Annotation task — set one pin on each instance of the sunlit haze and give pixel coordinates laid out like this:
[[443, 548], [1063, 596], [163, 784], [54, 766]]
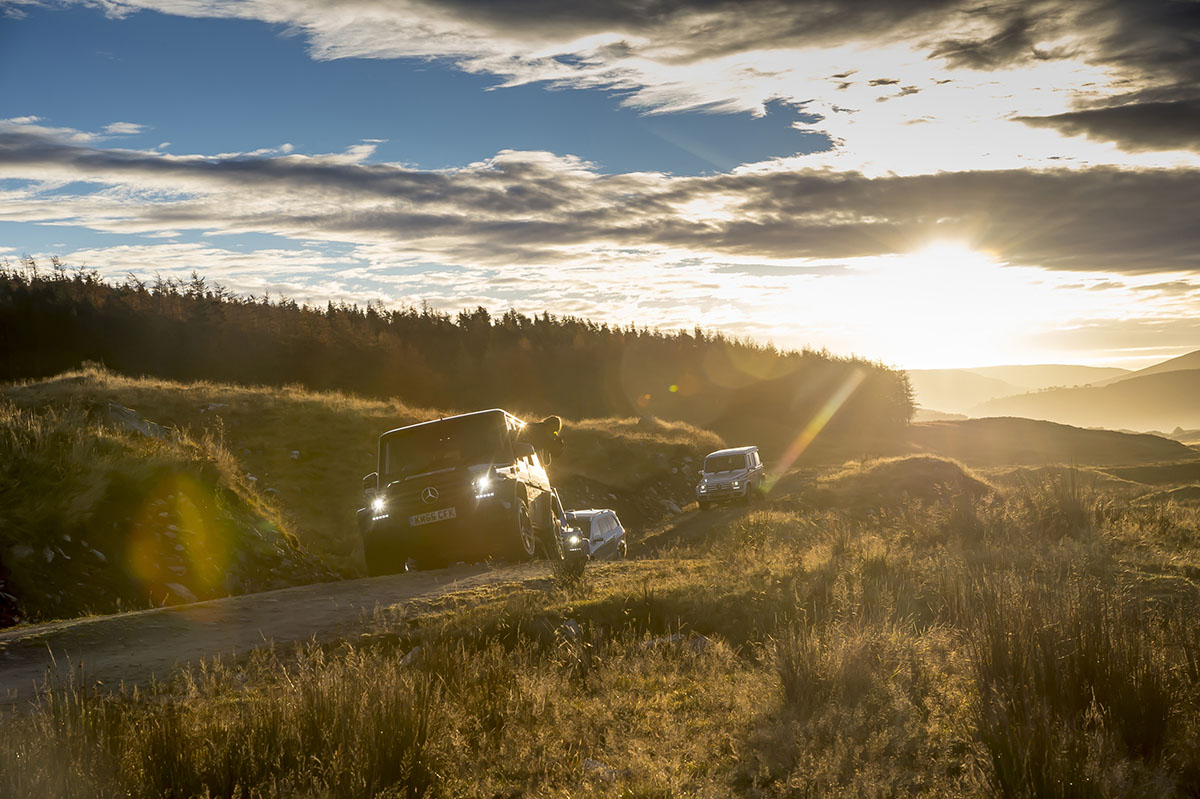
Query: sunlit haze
[[932, 185]]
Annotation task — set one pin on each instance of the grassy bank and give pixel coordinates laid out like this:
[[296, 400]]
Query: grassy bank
[[98, 457], [1040, 640]]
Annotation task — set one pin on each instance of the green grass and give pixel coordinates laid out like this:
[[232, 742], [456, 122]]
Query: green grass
[[308, 451], [1036, 641], [95, 518]]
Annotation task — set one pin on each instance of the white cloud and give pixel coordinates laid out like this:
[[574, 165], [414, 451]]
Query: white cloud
[[123, 129]]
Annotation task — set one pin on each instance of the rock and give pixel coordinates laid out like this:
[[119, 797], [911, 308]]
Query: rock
[[48, 553], [182, 592], [662, 640], [252, 478], [273, 492], [600, 769], [99, 555], [179, 547], [179, 570], [410, 656], [130, 420], [163, 515], [295, 455], [20, 551], [671, 507], [700, 643], [570, 628], [66, 537]]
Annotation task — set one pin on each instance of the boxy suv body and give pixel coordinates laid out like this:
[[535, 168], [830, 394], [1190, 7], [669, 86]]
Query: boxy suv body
[[730, 475], [460, 488]]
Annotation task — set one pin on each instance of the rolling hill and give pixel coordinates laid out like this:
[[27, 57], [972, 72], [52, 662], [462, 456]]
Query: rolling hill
[[1014, 441], [1180, 364], [956, 390], [960, 390], [1155, 401]]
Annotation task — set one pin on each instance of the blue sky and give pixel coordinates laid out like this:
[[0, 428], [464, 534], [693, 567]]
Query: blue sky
[[860, 177], [215, 85]]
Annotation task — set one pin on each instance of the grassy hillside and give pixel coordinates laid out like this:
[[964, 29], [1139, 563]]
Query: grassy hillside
[[300, 455], [1015, 441], [97, 517], [1039, 640], [1160, 401]]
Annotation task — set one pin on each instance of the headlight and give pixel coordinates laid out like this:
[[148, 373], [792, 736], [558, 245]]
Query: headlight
[[703, 488], [377, 505], [574, 540], [736, 484], [483, 487]]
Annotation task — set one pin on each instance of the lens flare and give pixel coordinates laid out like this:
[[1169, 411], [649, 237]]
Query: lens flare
[[179, 539], [817, 424]]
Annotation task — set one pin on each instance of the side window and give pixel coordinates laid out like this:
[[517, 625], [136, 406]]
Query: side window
[[756, 459], [616, 522]]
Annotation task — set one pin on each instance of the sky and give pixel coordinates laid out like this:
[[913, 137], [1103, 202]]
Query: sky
[[926, 183]]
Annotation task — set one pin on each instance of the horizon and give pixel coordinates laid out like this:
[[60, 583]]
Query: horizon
[[927, 188]]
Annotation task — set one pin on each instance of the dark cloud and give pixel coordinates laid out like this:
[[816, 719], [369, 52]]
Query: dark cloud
[[1013, 42], [1161, 125], [532, 207]]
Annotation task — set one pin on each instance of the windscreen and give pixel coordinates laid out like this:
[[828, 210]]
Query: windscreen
[[725, 463], [583, 524], [460, 441]]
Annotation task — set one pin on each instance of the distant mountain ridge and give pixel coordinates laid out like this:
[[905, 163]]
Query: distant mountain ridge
[[960, 390], [1180, 364], [1154, 401]]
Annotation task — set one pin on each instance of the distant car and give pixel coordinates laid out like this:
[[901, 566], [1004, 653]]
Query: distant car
[[601, 532], [573, 544], [730, 475]]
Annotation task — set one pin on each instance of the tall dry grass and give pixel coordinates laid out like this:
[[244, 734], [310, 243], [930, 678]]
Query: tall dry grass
[[962, 646]]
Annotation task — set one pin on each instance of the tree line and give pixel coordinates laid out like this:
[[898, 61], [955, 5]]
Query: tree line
[[53, 319]]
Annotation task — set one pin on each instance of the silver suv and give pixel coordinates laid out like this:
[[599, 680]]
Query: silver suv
[[735, 474]]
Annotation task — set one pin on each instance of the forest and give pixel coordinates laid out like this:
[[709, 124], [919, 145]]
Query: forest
[[54, 318]]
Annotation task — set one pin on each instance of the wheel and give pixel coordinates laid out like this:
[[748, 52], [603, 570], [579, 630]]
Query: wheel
[[705, 505], [522, 540], [623, 550]]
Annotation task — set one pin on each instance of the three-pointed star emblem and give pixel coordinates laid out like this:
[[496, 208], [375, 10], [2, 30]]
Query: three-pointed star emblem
[[429, 494]]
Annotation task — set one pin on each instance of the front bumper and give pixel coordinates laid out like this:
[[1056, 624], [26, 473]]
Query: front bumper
[[475, 531], [722, 492]]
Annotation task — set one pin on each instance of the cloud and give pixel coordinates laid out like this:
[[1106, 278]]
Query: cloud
[[539, 208], [123, 129], [1139, 126], [738, 55]]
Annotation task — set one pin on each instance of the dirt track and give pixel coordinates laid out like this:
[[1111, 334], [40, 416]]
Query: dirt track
[[134, 647], [137, 646]]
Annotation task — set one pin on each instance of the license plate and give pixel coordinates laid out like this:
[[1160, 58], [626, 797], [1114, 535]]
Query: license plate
[[432, 516]]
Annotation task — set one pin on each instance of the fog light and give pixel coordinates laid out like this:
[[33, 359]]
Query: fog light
[[574, 540], [377, 505]]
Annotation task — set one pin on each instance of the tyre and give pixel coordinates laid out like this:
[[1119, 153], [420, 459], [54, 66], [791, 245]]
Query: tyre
[[705, 505], [522, 542], [623, 550], [552, 544]]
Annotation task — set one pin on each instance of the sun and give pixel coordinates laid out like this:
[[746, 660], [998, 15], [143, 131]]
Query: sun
[[948, 304]]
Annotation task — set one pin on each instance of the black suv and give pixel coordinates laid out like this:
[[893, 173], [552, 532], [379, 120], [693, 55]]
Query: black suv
[[460, 488]]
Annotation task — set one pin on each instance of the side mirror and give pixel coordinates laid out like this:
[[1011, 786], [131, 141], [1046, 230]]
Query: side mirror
[[370, 482], [700, 472], [522, 450]]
